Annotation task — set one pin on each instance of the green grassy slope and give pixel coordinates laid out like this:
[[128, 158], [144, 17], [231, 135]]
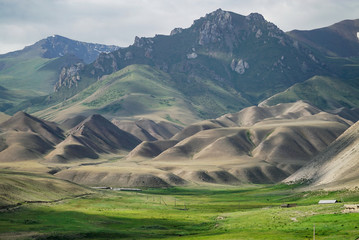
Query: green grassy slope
[[26, 74], [188, 213], [327, 93], [19, 187], [9, 98], [137, 90], [36, 74]]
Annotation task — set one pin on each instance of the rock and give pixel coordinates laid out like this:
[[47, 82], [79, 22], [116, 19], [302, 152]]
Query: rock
[[192, 55], [176, 31], [128, 55], [259, 33], [215, 24], [239, 65], [69, 76]]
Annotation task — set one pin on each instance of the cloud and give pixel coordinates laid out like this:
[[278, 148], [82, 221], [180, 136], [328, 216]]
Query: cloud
[[23, 22]]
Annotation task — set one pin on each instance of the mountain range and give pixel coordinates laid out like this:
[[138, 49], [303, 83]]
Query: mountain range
[[232, 99]]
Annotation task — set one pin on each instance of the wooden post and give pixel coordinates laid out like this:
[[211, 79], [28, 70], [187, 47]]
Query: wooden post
[[313, 231]]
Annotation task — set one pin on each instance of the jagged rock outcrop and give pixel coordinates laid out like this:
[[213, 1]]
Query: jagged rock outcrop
[[213, 28], [69, 76], [239, 65]]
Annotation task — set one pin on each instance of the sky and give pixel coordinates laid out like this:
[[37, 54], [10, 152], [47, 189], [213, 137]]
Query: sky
[[117, 22]]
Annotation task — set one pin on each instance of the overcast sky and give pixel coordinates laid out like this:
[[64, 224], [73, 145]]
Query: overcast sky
[[117, 22]]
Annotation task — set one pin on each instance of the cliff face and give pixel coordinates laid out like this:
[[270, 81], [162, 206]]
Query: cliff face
[[69, 76]]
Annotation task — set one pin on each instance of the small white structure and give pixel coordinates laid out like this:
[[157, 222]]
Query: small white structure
[[327, 201]]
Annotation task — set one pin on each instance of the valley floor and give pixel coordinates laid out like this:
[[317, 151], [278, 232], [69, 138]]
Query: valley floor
[[210, 212]]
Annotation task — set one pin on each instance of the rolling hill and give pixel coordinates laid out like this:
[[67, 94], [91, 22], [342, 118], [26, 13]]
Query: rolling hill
[[3, 117], [271, 144], [24, 137], [95, 135], [137, 91], [336, 166], [148, 130], [21, 187], [9, 98], [326, 93], [256, 145]]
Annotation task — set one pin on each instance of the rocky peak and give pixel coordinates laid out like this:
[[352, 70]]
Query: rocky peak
[[255, 17], [222, 18], [213, 26], [58, 46]]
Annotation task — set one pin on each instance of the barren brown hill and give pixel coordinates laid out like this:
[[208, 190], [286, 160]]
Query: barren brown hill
[[151, 149], [3, 117], [72, 148], [350, 114], [264, 153], [148, 130], [124, 176], [252, 115], [258, 145], [23, 122], [20, 146], [103, 136], [95, 135], [72, 122], [25, 137], [336, 166], [195, 128]]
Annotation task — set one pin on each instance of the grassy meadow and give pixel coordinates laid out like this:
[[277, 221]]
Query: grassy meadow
[[247, 212]]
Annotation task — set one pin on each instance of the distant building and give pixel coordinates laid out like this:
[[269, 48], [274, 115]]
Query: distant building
[[127, 189], [328, 201]]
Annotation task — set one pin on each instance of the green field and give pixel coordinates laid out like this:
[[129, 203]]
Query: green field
[[251, 212]]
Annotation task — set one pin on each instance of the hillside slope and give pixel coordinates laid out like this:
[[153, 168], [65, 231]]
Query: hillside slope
[[339, 39], [256, 145], [95, 135], [24, 137], [20, 187], [324, 92], [137, 91], [336, 167], [9, 98], [148, 130]]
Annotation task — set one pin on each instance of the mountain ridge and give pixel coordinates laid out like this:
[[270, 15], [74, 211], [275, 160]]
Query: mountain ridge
[[339, 39], [214, 57], [58, 46]]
